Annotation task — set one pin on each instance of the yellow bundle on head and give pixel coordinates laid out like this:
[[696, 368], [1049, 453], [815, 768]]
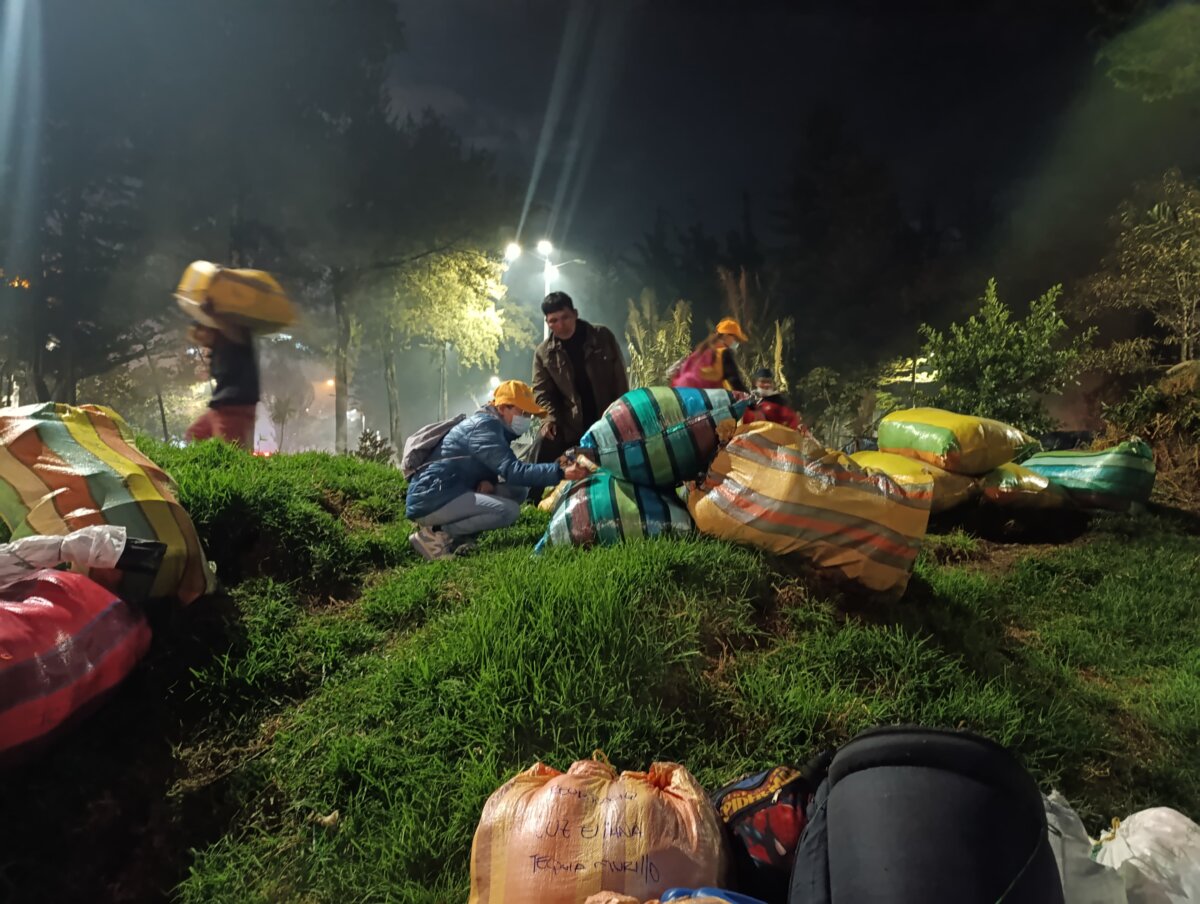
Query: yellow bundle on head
[[248, 299]]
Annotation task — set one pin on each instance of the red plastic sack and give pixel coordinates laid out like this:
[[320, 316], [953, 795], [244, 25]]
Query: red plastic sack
[[64, 641]]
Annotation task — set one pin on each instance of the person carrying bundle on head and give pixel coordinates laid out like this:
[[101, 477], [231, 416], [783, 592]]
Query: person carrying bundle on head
[[228, 308], [233, 368]]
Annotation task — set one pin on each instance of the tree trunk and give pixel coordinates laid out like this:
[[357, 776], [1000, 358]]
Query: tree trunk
[[341, 367], [41, 389], [65, 386], [162, 409], [912, 390], [445, 407], [68, 386], [393, 388]]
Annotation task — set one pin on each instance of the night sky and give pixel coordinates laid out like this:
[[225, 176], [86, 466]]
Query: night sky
[[683, 105]]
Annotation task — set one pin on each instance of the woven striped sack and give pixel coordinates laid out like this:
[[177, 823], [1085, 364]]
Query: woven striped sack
[[601, 510], [1109, 479], [63, 468], [661, 437], [960, 443], [781, 491]]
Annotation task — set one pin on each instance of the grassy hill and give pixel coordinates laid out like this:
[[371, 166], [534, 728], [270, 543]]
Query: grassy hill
[[330, 729]]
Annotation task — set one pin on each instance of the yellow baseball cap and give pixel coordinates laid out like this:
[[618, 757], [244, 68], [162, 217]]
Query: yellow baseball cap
[[514, 392], [731, 327]]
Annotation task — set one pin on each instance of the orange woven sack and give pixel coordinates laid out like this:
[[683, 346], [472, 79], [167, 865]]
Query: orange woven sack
[[557, 838]]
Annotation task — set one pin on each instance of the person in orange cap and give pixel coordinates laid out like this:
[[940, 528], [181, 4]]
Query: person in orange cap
[[472, 482], [711, 364]]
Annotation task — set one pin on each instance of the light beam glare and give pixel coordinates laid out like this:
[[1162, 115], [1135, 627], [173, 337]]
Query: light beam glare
[[597, 92], [564, 69], [20, 33]]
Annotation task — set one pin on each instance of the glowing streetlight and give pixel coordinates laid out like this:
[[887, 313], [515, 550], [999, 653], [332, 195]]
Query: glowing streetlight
[[545, 249], [329, 382], [512, 252], [494, 382]]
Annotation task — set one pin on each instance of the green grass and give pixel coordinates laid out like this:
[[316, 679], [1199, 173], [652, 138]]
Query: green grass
[[293, 517], [345, 675]]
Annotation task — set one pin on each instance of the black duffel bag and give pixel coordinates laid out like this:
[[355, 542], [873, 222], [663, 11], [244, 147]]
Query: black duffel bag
[[915, 816]]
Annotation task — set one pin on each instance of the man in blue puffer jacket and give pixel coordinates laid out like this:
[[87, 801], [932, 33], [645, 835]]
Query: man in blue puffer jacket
[[457, 494]]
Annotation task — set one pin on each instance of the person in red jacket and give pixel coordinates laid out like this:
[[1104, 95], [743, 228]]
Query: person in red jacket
[[774, 406]]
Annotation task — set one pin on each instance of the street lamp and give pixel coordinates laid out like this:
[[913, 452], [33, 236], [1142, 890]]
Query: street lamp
[[545, 248]]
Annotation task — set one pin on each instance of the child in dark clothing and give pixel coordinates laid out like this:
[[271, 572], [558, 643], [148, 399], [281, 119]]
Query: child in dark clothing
[[774, 405], [234, 368]]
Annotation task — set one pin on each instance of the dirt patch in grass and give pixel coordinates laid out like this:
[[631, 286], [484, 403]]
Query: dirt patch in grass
[[1020, 635]]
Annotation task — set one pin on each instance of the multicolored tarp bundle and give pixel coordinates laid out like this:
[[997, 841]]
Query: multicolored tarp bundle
[[64, 641], [661, 437], [1108, 479], [776, 489], [602, 510], [960, 443], [63, 468], [1012, 486], [949, 490]]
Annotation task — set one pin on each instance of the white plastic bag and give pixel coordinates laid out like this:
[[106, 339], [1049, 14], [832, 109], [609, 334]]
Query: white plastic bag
[[1157, 853], [99, 546], [1084, 881]]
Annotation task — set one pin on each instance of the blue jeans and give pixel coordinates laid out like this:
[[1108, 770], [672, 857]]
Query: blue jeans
[[470, 514]]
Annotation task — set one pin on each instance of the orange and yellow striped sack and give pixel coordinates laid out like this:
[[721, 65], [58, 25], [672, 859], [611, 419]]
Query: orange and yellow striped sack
[[559, 837], [64, 467], [782, 491]]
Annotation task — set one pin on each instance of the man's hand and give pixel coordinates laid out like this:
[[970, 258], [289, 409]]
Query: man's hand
[[485, 488], [575, 472], [549, 430]]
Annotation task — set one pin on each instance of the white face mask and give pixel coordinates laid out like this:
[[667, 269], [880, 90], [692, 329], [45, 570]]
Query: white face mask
[[733, 346], [520, 423]]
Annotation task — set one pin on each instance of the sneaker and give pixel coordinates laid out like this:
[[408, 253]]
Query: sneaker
[[430, 544]]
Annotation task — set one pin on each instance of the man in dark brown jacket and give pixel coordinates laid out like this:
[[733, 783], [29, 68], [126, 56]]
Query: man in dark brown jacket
[[577, 373]]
